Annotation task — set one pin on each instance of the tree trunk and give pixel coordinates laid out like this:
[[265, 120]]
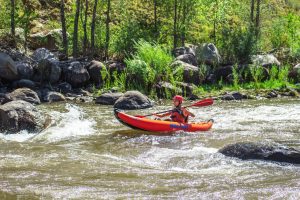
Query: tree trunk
[[93, 27], [12, 18], [75, 34], [63, 27], [257, 21], [107, 29], [175, 24], [184, 14], [84, 27], [155, 20], [252, 12]]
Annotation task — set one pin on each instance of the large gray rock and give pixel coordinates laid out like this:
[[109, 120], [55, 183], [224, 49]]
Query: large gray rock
[[49, 40], [21, 115], [184, 50], [208, 54], [4, 98], [166, 90], [54, 97], [295, 73], [258, 151], [94, 69], [48, 70], [24, 83], [190, 72], [8, 68], [42, 53], [108, 98], [25, 70], [188, 58], [265, 60], [133, 100], [76, 74], [25, 94], [234, 96]]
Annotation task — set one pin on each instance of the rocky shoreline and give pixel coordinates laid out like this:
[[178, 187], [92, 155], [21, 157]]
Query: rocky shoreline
[[43, 78]]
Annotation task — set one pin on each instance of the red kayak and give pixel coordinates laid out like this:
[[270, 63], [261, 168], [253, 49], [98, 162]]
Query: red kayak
[[159, 125]]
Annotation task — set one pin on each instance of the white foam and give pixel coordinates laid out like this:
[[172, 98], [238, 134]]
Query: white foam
[[68, 125]]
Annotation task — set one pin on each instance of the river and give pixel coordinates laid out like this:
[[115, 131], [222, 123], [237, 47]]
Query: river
[[88, 154]]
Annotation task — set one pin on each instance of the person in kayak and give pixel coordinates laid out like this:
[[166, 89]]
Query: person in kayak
[[178, 114]]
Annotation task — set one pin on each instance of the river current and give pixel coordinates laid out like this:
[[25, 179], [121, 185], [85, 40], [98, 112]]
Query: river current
[[87, 154]]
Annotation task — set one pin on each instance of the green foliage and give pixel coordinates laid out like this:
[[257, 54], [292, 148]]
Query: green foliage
[[235, 77], [257, 73], [238, 44]]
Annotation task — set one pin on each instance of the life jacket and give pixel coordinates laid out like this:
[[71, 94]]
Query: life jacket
[[177, 116]]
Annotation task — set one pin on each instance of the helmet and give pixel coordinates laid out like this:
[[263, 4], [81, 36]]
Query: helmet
[[178, 98]]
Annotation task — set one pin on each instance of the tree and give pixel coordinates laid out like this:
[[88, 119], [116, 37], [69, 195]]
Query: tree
[[257, 21], [175, 24], [63, 27], [93, 27], [85, 40], [12, 18], [107, 29], [75, 34], [155, 20]]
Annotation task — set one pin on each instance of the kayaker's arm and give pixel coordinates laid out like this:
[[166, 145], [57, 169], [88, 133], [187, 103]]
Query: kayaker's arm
[[187, 113], [163, 115]]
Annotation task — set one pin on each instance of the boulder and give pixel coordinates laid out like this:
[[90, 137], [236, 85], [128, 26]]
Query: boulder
[[190, 72], [115, 67], [64, 87], [133, 100], [259, 151], [108, 98], [184, 50], [188, 58], [49, 40], [48, 70], [21, 115], [208, 54], [4, 98], [76, 74], [8, 68], [25, 70], [234, 96], [25, 94], [166, 90], [54, 97], [267, 60], [24, 83], [222, 73], [43, 54], [295, 73], [94, 69]]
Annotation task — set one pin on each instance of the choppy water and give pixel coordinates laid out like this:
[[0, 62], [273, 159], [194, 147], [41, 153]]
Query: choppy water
[[88, 154]]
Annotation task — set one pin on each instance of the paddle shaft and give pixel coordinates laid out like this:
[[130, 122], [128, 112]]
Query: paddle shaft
[[201, 103]]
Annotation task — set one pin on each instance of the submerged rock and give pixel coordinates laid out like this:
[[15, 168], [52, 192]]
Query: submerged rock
[[21, 115], [133, 100], [259, 151]]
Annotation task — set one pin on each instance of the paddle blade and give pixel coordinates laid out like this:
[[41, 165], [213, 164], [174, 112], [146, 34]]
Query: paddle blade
[[205, 102]]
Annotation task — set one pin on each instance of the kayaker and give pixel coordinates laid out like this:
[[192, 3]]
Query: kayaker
[[178, 114]]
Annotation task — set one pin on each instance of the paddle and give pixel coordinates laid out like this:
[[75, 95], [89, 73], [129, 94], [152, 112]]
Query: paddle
[[202, 103]]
